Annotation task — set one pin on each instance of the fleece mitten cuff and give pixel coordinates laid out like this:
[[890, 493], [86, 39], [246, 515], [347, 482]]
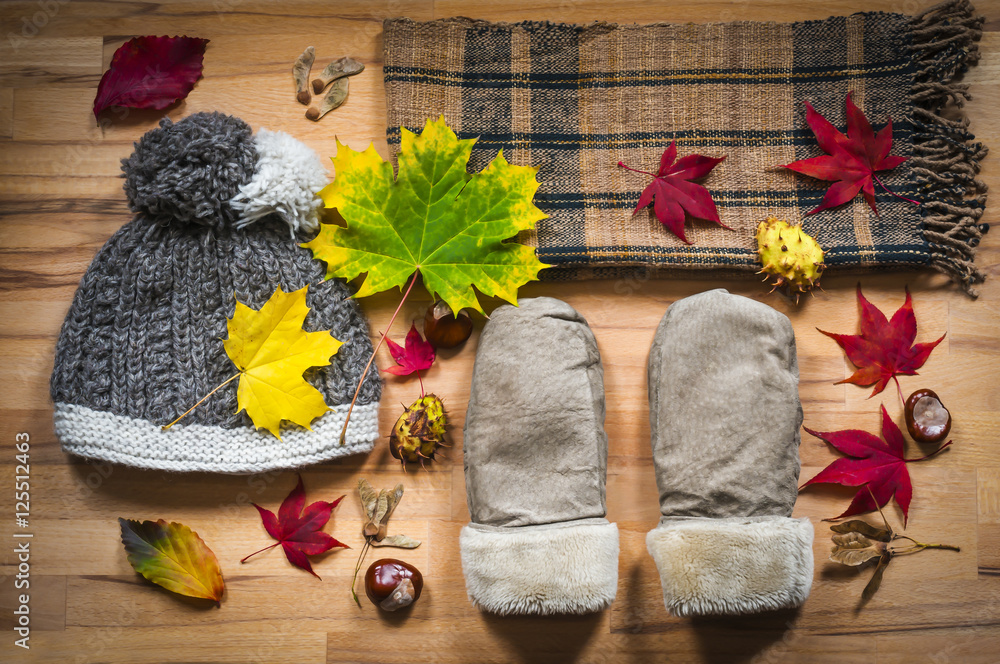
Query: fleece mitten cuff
[[725, 417], [552, 568], [732, 565], [535, 456]]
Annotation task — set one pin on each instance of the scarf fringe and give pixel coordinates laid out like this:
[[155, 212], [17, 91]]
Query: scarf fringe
[[945, 154]]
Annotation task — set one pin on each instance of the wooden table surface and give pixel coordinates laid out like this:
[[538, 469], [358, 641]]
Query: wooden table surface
[[61, 199]]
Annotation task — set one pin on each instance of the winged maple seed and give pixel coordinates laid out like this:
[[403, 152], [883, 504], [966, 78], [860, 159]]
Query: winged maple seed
[[857, 542], [885, 348], [878, 467], [850, 161], [299, 529], [378, 507], [672, 194]]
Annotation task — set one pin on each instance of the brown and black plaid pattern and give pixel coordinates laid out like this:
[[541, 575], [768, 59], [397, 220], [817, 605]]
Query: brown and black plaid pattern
[[574, 100]]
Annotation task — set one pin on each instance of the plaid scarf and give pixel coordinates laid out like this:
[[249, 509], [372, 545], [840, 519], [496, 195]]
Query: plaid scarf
[[574, 100]]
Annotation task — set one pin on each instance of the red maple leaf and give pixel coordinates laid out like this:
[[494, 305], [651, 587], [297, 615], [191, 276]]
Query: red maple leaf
[[299, 531], [869, 461], [415, 357], [850, 161], [672, 194], [151, 72], [885, 348]]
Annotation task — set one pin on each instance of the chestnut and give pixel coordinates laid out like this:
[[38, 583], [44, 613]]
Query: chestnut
[[443, 329], [392, 584], [927, 420]]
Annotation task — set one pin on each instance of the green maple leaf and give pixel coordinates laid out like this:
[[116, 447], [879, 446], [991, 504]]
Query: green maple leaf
[[434, 217]]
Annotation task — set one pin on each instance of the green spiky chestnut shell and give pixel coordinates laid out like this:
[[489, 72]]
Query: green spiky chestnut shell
[[419, 431], [790, 255]]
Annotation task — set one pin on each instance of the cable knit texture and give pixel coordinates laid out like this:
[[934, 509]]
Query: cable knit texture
[[143, 337]]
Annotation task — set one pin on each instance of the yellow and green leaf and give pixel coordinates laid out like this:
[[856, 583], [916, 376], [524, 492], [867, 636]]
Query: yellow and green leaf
[[434, 217], [173, 556]]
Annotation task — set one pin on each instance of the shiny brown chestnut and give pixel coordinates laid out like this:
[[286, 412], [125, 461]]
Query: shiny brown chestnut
[[927, 420], [392, 584], [443, 329]]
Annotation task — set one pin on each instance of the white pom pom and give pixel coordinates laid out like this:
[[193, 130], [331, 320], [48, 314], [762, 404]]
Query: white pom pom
[[286, 180]]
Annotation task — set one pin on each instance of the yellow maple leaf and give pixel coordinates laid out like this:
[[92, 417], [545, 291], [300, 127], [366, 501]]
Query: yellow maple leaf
[[271, 351]]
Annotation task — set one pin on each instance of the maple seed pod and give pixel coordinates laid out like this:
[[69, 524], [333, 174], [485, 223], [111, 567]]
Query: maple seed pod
[[300, 73], [443, 329], [392, 584], [927, 420], [790, 255], [419, 431]]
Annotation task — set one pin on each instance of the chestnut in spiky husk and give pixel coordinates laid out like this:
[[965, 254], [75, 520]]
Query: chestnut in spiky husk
[[419, 431], [789, 254], [443, 329], [393, 584]]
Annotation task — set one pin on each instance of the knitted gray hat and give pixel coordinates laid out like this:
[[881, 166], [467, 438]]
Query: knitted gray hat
[[142, 341]]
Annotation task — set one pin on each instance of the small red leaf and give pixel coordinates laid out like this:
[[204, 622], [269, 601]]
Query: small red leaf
[[885, 348], [851, 161], [672, 194], [870, 461], [417, 355], [298, 528], [151, 72]]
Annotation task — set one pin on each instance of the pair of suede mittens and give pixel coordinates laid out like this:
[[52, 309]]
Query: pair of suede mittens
[[724, 414]]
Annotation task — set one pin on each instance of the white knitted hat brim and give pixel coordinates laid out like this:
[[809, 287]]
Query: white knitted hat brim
[[198, 447]]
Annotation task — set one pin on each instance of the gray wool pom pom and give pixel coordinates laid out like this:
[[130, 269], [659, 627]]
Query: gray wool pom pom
[[185, 173]]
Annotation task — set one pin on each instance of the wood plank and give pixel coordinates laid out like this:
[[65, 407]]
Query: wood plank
[[6, 112], [61, 199], [86, 18], [128, 641], [955, 645], [988, 501], [43, 61]]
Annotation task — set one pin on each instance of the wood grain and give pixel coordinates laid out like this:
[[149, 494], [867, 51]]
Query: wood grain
[[60, 200]]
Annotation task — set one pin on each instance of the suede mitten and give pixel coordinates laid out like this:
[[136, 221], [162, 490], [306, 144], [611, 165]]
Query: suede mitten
[[724, 412], [535, 466]]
